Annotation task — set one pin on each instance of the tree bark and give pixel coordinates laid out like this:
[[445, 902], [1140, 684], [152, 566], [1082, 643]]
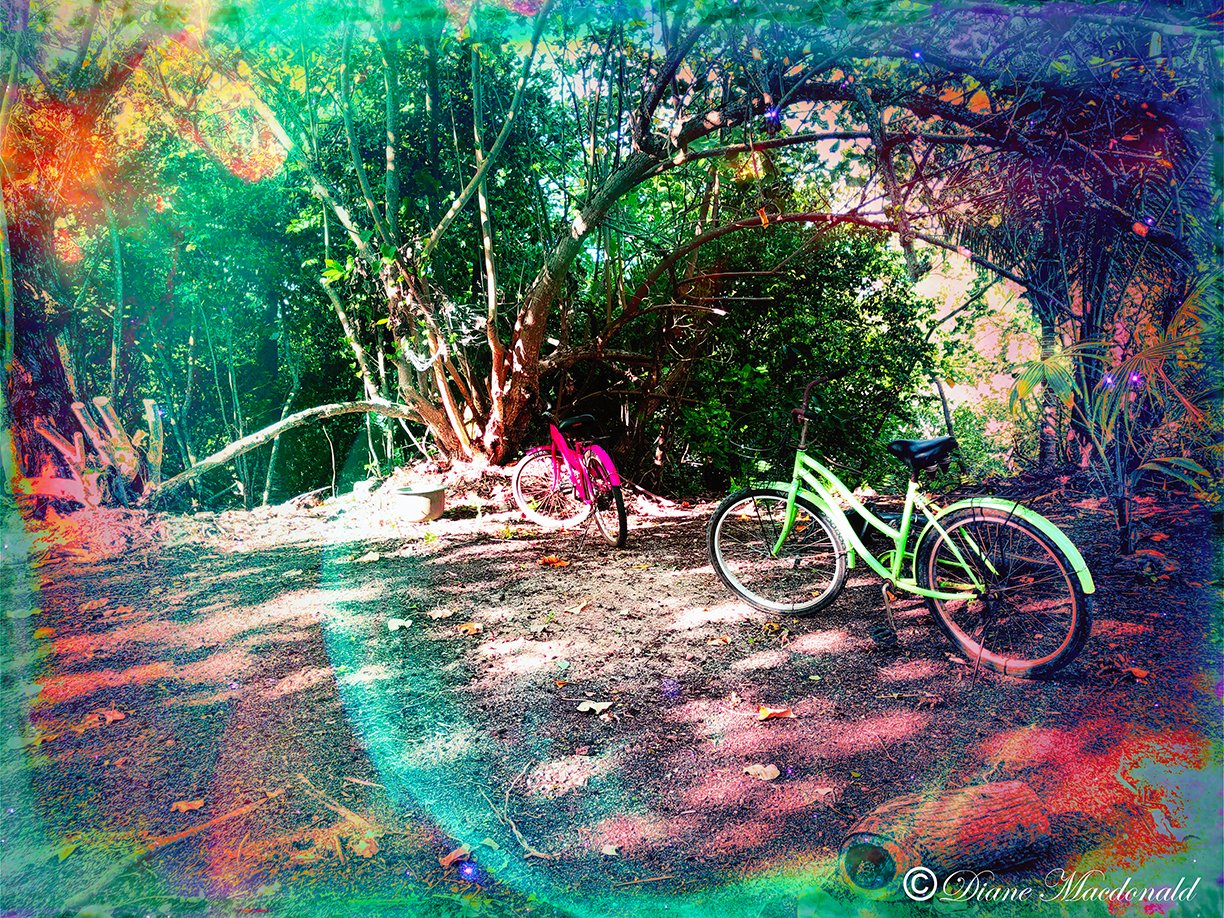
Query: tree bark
[[974, 828], [260, 437]]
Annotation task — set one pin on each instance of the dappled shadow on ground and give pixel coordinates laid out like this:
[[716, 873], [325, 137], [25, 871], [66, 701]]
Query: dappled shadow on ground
[[338, 717]]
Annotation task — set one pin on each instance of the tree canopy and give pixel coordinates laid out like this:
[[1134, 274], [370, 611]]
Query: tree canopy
[[258, 207]]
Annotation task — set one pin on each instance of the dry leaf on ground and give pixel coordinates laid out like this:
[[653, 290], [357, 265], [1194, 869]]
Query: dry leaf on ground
[[552, 561], [369, 556], [470, 628], [186, 806], [578, 608], [457, 855], [765, 713], [395, 624], [721, 639], [365, 845], [94, 604], [764, 772], [439, 614], [594, 707], [610, 850]]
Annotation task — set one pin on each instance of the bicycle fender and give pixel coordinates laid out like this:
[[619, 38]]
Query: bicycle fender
[[1035, 519], [605, 460]]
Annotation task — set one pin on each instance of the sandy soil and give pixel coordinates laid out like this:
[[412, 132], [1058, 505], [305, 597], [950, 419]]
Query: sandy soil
[[304, 710]]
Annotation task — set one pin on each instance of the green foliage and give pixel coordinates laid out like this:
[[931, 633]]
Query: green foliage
[[841, 308], [1144, 411]]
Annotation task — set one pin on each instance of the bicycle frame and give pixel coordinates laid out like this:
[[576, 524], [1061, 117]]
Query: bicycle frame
[[571, 455], [818, 484]]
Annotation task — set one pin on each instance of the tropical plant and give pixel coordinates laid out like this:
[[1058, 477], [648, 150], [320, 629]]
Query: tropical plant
[[1145, 408]]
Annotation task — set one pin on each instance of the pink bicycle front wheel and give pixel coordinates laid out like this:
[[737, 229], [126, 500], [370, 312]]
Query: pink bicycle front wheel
[[544, 490]]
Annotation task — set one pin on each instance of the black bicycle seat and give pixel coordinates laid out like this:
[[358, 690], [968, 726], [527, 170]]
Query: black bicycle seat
[[923, 454], [578, 420]]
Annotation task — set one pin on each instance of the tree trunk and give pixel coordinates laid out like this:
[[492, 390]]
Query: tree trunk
[[260, 437], [971, 829], [507, 420]]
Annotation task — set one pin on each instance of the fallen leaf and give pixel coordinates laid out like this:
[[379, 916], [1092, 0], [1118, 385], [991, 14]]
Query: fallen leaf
[[439, 614], [735, 698], [1159, 536], [395, 624], [1138, 673], [110, 715], [489, 843], [186, 806], [95, 604], [470, 628], [855, 774], [64, 850], [578, 608], [369, 556], [595, 707], [552, 561], [764, 772], [366, 845], [43, 633], [560, 683], [764, 713], [610, 850], [123, 610], [721, 639], [457, 855]]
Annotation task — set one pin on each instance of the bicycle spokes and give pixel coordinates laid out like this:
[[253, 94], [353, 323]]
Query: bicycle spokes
[[1021, 613]]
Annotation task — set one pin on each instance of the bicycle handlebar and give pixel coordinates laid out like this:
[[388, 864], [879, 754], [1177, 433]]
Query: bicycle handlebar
[[805, 413]]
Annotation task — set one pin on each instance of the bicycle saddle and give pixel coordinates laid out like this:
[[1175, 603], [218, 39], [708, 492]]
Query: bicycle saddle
[[578, 420], [923, 454]]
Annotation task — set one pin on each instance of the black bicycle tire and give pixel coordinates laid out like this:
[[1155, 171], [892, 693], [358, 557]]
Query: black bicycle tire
[[621, 536], [1081, 625], [524, 505], [841, 568]]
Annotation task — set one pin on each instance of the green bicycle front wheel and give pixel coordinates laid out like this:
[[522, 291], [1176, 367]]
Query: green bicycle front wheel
[[807, 573], [1030, 619]]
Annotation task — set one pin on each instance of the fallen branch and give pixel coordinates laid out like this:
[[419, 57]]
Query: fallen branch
[[647, 880], [260, 437], [87, 895], [505, 819], [339, 809]]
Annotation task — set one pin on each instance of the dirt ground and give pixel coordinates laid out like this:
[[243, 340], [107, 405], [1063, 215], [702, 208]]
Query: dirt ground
[[314, 710]]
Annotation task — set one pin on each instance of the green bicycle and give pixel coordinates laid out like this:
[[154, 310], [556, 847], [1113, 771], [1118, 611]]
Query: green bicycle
[[1006, 585]]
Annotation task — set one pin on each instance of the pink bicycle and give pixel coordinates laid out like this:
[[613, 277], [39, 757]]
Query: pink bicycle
[[565, 483]]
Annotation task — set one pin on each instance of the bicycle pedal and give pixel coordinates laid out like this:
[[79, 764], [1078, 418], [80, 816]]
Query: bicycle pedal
[[884, 636]]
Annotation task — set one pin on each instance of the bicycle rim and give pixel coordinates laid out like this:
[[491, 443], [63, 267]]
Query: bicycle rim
[[804, 576], [545, 497], [609, 504], [1029, 618]]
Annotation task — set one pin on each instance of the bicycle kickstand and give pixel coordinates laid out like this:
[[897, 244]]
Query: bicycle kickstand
[[885, 635], [889, 598]]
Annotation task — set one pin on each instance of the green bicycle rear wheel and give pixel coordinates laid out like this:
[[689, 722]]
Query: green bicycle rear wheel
[[1031, 619]]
